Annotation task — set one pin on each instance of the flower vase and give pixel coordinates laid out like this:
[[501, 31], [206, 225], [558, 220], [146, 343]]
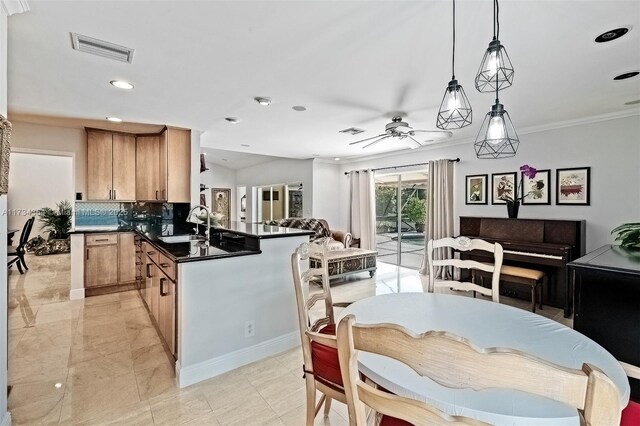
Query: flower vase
[[512, 209]]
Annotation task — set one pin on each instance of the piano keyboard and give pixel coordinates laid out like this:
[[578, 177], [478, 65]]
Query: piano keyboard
[[522, 253]]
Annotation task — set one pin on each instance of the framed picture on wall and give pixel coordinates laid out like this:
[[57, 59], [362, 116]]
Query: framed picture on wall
[[573, 186], [503, 187], [476, 189], [221, 203], [538, 188]]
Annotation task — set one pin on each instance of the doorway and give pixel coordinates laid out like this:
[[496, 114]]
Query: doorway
[[401, 201]]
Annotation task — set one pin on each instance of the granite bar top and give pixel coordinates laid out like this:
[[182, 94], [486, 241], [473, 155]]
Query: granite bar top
[[190, 251], [262, 231]]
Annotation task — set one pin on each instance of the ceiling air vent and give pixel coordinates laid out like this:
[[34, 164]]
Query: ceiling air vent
[[101, 48], [352, 131]]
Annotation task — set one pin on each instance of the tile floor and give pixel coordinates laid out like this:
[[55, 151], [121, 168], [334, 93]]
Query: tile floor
[[100, 361]]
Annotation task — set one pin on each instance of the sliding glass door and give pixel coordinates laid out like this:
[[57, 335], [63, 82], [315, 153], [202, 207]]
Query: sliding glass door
[[400, 218]]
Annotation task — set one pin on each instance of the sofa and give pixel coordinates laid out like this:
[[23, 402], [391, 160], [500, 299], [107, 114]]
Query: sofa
[[320, 227]]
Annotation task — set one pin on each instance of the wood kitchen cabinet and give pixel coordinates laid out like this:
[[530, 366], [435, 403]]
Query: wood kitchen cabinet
[[175, 165], [101, 260], [111, 167], [147, 168], [167, 311], [126, 257]]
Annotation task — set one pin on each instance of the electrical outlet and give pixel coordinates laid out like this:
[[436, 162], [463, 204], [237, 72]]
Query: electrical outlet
[[250, 328]]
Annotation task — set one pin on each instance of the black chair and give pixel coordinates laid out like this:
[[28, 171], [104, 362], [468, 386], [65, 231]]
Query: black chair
[[16, 253]]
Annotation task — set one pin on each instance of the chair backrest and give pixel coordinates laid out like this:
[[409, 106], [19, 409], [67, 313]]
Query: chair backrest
[[454, 362], [302, 274], [26, 231], [465, 244]]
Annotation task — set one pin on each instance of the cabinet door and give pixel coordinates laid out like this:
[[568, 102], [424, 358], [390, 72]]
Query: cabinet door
[[179, 166], [167, 316], [162, 169], [101, 265], [124, 167], [147, 166], [99, 166], [126, 258], [148, 280], [155, 293]]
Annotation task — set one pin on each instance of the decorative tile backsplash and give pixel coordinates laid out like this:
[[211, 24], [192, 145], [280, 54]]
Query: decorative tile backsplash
[[99, 214]]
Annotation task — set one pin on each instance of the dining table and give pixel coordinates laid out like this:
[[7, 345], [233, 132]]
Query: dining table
[[486, 324]]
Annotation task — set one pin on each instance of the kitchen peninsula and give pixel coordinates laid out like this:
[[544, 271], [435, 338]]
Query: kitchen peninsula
[[230, 302]]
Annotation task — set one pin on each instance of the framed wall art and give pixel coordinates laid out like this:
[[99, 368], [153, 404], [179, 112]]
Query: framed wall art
[[573, 186], [221, 203], [538, 188], [503, 187], [476, 189]]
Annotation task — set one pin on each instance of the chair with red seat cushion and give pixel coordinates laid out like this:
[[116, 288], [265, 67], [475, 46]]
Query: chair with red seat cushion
[[631, 414], [319, 349]]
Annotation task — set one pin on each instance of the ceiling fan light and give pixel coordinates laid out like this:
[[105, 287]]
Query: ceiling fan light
[[496, 71], [497, 137], [455, 110]]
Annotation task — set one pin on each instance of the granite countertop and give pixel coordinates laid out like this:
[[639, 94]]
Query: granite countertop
[[153, 230], [261, 231]]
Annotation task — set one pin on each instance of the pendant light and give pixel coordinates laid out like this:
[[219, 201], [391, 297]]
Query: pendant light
[[497, 137], [496, 71], [455, 109]]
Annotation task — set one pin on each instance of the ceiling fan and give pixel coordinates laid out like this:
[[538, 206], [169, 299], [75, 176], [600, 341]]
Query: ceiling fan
[[401, 130]]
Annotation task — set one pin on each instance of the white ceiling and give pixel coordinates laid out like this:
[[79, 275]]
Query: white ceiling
[[351, 63], [234, 159]]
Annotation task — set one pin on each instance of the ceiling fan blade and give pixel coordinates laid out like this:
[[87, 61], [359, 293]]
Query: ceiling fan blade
[[368, 139], [413, 144], [432, 131], [376, 141]]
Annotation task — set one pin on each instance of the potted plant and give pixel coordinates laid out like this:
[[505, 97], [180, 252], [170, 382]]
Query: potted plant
[[56, 221], [513, 202], [628, 235], [416, 210]]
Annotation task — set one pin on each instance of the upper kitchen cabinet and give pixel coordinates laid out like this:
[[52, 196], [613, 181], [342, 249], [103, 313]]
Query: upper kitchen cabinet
[[111, 167], [175, 165], [147, 178]]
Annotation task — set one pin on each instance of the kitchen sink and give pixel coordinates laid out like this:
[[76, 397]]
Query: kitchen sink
[[181, 238]]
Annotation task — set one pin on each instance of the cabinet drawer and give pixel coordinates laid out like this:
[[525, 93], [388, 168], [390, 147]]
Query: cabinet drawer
[[151, 252], [167, 266], [101, 239]]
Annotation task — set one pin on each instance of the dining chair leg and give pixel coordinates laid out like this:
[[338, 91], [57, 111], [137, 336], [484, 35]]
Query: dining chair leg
[[24, 264], [19, 267], [327, 406], [311, 399]]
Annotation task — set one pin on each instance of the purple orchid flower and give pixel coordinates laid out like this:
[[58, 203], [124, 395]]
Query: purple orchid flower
[[528, 171]]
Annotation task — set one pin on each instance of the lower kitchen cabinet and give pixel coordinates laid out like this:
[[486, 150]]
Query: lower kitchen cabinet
[[110, 263], [167, 312], [100, 265], [126, 257]]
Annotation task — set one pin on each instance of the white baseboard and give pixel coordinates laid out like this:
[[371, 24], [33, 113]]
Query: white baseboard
[[6, 420], [76, 293], [227, 362]]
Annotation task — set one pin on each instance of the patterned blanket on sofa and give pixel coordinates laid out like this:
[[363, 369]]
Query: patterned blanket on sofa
[[311, 224]]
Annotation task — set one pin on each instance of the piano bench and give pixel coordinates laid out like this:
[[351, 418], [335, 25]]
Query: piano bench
[[517, 275]]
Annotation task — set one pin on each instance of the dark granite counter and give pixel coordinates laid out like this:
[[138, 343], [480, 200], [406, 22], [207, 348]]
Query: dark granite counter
[[261, 231]]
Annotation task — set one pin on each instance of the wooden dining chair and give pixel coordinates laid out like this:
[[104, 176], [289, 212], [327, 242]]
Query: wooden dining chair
[[464, 244], [319, 348], [15, 254], [454, 362]]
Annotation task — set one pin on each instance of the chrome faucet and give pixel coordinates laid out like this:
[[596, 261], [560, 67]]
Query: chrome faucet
[[207, 230]]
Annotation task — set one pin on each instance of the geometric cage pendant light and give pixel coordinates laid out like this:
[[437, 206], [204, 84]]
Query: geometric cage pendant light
[[496, 71], [497, 137], [455, 110]]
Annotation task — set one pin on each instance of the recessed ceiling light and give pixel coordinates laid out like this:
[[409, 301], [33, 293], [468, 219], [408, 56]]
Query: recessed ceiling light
[[299, 108], [351, 131], [626, 75], [245, 145], [636, 102], [262, 100], [114, 119], [232, 120], [337, 158], [612, 34], [121, 84]]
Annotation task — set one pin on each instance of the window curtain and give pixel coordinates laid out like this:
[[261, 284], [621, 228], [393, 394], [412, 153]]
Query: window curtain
[[439, 213], [362, 221]]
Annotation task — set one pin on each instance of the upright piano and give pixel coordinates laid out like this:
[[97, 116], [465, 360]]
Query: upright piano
[[542, 244]]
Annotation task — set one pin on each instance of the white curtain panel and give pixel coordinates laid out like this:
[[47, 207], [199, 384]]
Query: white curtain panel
[[363, 208], [439, 212]]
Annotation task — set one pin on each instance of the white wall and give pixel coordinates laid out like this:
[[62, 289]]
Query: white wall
[[53, 138], [219, 177], [195, 167], [610, 147], [37, 181], [278, 172], [5, 418], [326, 193]]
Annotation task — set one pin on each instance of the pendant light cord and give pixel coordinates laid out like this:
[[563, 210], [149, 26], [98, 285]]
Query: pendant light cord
[[453, 54], [498, 20], [496, 34]]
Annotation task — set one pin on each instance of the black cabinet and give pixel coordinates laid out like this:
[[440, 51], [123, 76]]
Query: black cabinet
[[607, 302]]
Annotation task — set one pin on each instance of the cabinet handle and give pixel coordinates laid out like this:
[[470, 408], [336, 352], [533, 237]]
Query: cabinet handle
[[149, 270], [164, 265], [151, 253], [87, 250], [114, 195], [156, 194], [164, 194], [162, 292], [102, 239], [138, 263]]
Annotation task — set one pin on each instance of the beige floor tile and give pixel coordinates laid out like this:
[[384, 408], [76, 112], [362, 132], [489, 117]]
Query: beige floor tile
[[142, 337], [100, 341], [137, 414], [206, 420], [101, 368], [35, 367], [264, 371], [283, 393], [241, 410], [148, 357], [181, 408], [297, 417], [156, 381], [13, 339], [45, 411], [29, 392], [101, 300]]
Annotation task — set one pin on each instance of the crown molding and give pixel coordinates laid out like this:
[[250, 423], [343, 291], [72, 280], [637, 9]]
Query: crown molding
[[13, 7], [524, 131]]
